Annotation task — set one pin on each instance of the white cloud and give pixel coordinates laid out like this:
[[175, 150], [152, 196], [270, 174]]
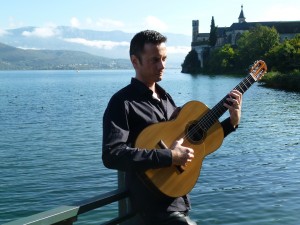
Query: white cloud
[[3, 32], [154, 23], [74, 22], [108, 24], [43, 32], [178, 49], [28, 48], [97, 43], [99, 24]]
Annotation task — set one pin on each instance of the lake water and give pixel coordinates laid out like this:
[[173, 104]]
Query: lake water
[[51, 134]]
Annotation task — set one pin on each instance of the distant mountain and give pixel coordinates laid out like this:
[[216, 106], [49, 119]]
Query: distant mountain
[[12, 58], [109, 44]]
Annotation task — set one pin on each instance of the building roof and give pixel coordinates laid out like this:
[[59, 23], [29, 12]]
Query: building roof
[[222, 30], [280, 26]]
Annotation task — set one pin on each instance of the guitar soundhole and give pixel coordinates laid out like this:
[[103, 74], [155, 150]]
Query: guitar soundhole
[[194, 133]]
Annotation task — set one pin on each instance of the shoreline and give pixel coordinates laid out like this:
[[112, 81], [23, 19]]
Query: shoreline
[[286, 82]]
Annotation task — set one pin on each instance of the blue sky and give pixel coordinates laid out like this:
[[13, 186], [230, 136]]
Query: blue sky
[[174, 16]]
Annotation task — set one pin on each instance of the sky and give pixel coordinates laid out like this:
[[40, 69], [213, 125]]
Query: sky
[[166, 16]]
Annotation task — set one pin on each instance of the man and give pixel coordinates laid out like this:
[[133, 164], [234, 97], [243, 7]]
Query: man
[[136, 106]]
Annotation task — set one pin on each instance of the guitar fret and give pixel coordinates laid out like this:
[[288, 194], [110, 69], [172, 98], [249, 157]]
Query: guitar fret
[[241, 89]]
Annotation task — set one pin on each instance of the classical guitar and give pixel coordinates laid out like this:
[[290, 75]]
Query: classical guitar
[[201, 130]]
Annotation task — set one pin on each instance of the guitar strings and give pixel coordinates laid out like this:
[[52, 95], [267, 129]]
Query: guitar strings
[[213, 115]]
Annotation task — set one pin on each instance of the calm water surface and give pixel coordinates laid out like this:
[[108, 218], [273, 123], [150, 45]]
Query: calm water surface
[[51, 134]]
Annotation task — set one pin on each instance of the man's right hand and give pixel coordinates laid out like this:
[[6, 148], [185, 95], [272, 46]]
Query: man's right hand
[[181, 155]]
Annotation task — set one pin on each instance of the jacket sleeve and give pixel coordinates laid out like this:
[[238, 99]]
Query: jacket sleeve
[[117, 153], [227, 127]]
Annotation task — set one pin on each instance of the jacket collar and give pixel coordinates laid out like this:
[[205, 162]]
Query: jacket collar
[[143, 89]]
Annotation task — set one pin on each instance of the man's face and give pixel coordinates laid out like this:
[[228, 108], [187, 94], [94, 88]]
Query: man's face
[[150, 67]]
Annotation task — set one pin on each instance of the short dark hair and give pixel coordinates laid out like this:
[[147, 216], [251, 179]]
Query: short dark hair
[[140, 39]]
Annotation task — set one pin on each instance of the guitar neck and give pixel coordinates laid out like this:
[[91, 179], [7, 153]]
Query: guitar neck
[[219, 109]]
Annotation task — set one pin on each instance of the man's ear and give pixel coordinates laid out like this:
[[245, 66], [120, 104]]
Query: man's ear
[[134, 60]]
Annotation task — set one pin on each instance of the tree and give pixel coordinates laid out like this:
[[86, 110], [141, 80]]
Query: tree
[[221, 60], [191, 63], [213, 33], [286, 56], [255, 44]]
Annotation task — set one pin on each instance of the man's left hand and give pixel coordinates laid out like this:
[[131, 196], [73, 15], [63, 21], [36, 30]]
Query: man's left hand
[[234, 107]]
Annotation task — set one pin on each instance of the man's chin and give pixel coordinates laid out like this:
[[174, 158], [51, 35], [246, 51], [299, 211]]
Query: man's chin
[[159, 79]]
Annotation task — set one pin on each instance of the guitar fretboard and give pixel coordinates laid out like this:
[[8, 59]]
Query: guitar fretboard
[[219, 109]]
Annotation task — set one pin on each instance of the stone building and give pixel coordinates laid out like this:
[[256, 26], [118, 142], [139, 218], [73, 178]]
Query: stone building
[[230, 35]]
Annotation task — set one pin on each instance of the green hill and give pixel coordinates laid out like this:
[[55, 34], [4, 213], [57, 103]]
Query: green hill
[[12, 58]]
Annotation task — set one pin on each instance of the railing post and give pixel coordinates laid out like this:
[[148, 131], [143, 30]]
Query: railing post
[[124, 204]]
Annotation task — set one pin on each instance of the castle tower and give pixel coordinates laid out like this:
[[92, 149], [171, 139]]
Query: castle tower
[[242, 18], [195, 24]]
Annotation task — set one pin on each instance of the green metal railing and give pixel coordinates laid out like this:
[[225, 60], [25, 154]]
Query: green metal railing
[[68, 214]]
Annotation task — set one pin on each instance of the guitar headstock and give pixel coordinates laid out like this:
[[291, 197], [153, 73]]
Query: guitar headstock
[[258, 69]]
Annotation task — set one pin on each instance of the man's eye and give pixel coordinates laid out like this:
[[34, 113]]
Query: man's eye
[[156, 60]]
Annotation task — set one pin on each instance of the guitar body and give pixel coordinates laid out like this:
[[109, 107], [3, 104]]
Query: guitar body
[[172, 181]]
